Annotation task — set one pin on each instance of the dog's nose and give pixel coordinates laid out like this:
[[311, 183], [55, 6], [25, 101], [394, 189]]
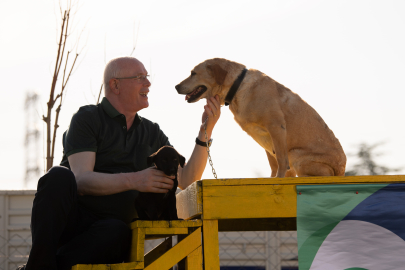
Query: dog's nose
[[177, 87]]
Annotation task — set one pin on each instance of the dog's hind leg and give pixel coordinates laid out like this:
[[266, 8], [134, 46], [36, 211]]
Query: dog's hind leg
[[273, 164], [291, 173], [311, 168]]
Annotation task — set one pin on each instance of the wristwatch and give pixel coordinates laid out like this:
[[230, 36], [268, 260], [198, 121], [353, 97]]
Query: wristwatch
[[197, 141]]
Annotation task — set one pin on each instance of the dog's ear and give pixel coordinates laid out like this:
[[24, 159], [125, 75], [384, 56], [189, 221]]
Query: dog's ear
[[150, 160], [217, 72], [182, 160]]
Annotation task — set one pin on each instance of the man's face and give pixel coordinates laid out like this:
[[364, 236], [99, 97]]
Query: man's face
[[133, 92]]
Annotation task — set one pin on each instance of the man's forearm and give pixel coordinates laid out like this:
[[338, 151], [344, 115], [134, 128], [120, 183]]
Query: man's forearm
[[195, 167], [99, 184]]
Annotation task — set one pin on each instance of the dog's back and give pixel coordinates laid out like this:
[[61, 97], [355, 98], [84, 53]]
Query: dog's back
[[308, 137]]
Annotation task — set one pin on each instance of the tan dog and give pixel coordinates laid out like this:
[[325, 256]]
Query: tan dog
[[296, 139]]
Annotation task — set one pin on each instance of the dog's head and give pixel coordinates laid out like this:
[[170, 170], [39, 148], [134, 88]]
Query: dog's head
[[167, 159], [209, 78]]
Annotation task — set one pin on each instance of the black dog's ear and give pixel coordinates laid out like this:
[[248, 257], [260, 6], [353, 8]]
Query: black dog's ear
[[150, 160], [182, 160]]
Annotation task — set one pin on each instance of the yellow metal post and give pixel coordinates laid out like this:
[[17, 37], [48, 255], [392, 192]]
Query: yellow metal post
[[210, 244], [194, 260], [138, 243]]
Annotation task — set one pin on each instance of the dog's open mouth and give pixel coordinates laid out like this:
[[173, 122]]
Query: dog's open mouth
[[196, 94]]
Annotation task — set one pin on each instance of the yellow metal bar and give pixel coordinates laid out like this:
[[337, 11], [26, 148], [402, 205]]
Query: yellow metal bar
[[249, 201], [119, 266], [165, 224], [155, 231], [127, 266], [91, 267], [178, 252], [137, 246], [320, 180], [194, 260], [210, 244]]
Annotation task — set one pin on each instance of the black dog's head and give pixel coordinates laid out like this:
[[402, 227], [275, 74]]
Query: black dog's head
[[167, 160]]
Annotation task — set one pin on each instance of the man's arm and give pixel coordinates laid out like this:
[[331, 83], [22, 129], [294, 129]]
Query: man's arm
[[94, 183], [195, 167]]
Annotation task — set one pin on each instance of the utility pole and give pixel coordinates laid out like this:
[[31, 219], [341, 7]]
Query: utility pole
[[32, 138]]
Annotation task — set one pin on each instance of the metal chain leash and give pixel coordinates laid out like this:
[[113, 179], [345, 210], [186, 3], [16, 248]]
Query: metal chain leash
[[208, 149]]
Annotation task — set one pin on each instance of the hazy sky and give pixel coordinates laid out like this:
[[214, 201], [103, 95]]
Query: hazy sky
[[345, 58]]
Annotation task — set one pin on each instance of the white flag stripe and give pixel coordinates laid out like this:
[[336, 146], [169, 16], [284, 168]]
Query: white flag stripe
[[354, 243]]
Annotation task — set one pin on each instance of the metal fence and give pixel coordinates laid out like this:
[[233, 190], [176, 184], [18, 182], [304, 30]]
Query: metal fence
[[14, 250]]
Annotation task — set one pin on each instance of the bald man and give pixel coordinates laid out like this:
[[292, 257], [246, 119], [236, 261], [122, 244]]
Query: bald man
[[82, 209]]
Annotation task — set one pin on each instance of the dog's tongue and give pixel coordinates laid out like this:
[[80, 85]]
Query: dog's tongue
[[187, 97]]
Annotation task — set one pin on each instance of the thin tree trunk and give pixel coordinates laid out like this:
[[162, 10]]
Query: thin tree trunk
[[51, 102]]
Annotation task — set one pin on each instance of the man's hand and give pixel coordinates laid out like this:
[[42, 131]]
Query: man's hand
[[213, 111], [151, 180]]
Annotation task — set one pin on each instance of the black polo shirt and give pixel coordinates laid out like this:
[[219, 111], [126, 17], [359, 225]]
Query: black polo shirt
[[103, 130]]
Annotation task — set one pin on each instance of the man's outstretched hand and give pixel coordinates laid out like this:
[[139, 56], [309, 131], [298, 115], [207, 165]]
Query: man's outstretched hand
[[213, 111], [151, 180]]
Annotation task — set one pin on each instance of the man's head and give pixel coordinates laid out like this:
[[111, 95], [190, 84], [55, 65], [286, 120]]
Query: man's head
[[125, 85]]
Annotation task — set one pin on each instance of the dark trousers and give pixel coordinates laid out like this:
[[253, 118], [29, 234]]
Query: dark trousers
[[65, 234]]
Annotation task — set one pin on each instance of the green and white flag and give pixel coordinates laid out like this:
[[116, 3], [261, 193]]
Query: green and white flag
[[351, 227]]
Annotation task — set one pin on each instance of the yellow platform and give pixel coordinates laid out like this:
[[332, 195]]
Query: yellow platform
[[265, 204], [256, 204]]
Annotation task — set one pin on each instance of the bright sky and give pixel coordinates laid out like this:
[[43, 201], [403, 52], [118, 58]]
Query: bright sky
[[345, 58]]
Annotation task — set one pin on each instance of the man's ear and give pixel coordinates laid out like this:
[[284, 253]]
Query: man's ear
[[150, 160], [113, 84], [217, 72], [182, 160]]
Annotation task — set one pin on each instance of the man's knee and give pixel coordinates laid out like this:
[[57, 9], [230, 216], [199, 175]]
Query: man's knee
[[58, 175]]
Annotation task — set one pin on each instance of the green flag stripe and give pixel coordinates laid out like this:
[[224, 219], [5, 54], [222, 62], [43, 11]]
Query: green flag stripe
[[309, 249]]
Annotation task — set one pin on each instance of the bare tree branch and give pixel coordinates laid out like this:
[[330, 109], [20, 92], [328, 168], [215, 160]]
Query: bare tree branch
[[64, 85], [64, 41], [58, 59], [105, 48], [99, 94], [47, 119], [67, 72], [135, 39], [64, 70]]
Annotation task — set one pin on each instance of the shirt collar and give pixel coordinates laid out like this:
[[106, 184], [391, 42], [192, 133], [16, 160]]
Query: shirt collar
[[112, 112], [109, 109]]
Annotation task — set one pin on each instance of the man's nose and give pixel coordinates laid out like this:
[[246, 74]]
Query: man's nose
[[147, 82]]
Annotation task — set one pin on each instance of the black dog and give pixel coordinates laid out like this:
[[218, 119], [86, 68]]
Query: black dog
[[161, 206]]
